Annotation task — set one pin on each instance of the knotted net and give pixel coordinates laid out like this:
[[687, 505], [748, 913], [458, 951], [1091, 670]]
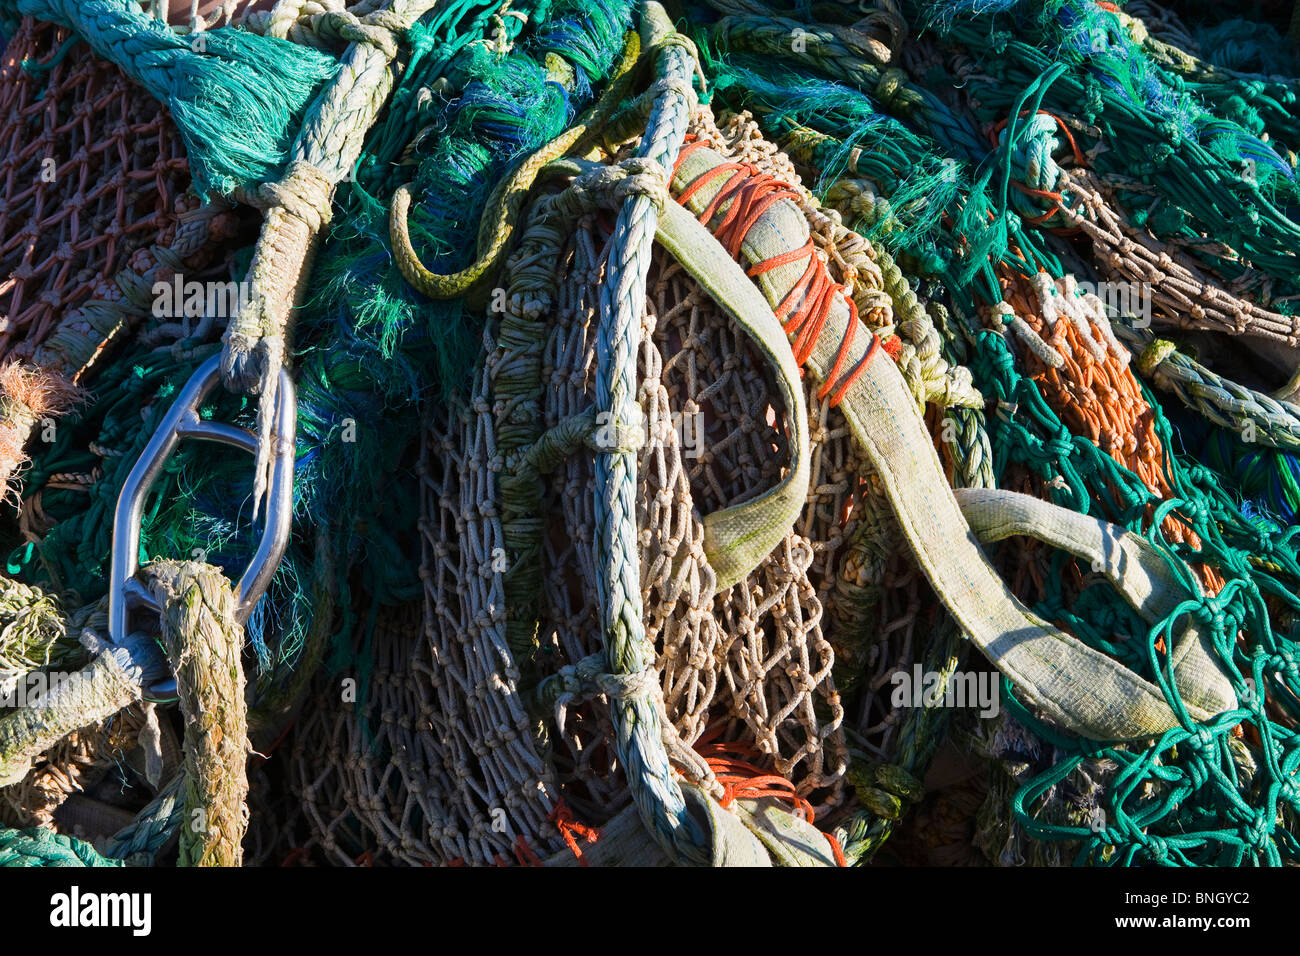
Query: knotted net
[[486, 735]]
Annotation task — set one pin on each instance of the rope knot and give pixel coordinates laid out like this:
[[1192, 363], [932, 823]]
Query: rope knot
[[1059, 446], [893, 92], [1199, 746], [380, 29], [615, 437], [1094, 102], [1172, 133], [1201, 740], [1284, 662], [304, 193], [611, 184], [643, 177], [1155, 355], [1210, 613], [570, 828], [628, 686], [1157, 849], [1160, 155], [1260, 831]]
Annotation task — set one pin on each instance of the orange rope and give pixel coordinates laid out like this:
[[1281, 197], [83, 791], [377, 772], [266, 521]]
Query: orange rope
[[747, 194], [836, 850], [569, 827], [524, 853], [993, 129], [257, 759], [294, 855], [742, 780]]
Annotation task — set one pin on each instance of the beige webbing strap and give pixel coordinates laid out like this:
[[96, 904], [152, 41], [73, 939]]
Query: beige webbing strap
[[1131, 563], [754, 833], [1081, 689], [789, 839], [738, 538]]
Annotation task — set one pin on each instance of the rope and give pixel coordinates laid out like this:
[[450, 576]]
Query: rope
[[1224, 402], [637, 735], [497, 224], [204, 644], [298, 205], [42, 847], [113, 680], [82, 334], [237, 103], [153, 827], [806, 308]]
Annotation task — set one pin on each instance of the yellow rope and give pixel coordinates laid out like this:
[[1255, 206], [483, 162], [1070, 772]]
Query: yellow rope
[[503, 206]]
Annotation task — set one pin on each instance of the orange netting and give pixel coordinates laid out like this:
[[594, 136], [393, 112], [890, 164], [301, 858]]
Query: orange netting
[[1102, 401]]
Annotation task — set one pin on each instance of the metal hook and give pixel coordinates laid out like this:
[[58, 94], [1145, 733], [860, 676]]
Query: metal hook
[[182, 421]]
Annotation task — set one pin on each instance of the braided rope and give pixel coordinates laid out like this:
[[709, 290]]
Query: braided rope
[[111, 681], [1181, 294], [637, 719], [1224, 402], [298, 206], [204, 642], [531, 295], [153, 827], [42, 847], [503, 207]]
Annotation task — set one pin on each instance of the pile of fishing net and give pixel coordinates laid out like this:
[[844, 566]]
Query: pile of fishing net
[[715, 433]]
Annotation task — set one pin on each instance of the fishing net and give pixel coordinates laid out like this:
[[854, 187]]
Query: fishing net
[[95, 210], [642, 427], [95, 175], [748, 666]]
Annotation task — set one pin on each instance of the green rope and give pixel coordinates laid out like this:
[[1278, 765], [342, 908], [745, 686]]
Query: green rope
[[237, 98], [42, 847]]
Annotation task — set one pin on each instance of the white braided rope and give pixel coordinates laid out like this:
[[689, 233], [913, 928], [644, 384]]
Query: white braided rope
[[637, 718]]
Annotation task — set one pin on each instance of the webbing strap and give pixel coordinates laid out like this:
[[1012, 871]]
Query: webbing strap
[[737, 538], [1078, 687], [1131, 563]]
